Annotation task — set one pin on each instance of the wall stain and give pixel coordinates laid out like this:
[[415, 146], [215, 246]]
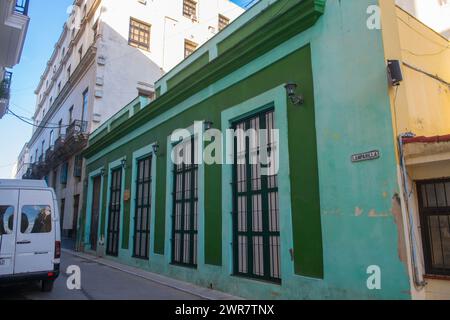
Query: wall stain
[[374, 214], [397, 213]]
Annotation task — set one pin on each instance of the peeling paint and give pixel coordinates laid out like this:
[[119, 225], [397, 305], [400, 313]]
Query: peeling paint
[[358, 212], [397, 213], [374, 214]]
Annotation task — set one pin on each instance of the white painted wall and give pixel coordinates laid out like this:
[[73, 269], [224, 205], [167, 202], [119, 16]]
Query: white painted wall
[[20, 168], [434, 13]]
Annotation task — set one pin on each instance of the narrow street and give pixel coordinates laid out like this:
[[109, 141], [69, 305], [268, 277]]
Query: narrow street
[[99, 282]]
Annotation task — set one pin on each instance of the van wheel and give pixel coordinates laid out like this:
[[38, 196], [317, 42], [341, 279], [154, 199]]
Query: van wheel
[[47, 285]]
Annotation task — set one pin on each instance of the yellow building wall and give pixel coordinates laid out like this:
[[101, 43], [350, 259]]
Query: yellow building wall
[[421, 104], [427, 111]]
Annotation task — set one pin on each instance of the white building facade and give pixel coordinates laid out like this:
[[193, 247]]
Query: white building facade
[[109, 53], [14, 23], [434, 13]]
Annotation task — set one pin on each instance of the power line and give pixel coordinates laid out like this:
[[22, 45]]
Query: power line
[[32, 124], [22, 109], [423, 35]]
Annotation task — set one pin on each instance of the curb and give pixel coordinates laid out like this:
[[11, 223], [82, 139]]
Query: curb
[[192, 289]]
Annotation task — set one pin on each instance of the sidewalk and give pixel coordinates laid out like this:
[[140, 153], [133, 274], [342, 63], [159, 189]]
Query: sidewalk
[[201, 292]]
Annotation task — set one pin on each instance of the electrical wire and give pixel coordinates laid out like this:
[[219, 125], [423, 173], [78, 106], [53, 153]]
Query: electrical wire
[[426, 54], [424, 36], [32, 124]]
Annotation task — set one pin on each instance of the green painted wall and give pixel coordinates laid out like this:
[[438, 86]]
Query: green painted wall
[[350, 226], [186, 72], [307, 206]]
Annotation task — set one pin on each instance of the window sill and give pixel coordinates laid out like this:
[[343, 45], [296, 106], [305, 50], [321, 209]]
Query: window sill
[[182, 265], [257, 279], [437, 277]]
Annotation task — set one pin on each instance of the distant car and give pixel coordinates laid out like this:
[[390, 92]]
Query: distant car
[[30, 234]]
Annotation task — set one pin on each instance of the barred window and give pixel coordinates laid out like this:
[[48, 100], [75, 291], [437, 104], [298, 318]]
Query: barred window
[[189, 48], [190, 9], [434, 201], [256, 216], [139, 36], [143, 205], [115, 201], [185, 206], [223, 22]]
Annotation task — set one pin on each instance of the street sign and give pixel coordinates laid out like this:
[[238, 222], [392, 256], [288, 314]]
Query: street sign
[[366, 156]]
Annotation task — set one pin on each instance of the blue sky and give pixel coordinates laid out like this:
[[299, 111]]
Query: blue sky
[[47, 19]]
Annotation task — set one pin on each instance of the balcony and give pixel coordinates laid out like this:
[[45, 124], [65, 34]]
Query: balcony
[[71, 143], [49, 154], [32, 172], [59, 150], [21, 7], [76, 136], [5, 87], [76, 128], [14, 23], [41, 164]]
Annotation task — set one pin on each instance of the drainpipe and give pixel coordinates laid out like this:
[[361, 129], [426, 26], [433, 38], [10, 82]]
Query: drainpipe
[[419, 282]]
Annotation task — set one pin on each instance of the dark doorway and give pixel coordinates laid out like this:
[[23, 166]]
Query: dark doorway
[[76, 207], [95, 212], [112, 245]]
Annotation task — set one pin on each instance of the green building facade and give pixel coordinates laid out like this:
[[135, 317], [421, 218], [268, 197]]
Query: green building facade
[[311, 232]]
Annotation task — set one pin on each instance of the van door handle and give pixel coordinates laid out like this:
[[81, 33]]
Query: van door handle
[[24, 242]]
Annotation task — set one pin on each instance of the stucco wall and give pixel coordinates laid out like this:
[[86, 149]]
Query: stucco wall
[[358, 219]]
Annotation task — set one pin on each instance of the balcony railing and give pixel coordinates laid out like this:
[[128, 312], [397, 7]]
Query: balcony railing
[[5, 85], [77, 127], [22, 7], [49, 153], [60, 141]]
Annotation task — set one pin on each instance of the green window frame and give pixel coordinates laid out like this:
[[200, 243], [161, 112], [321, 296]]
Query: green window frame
[[185, 207], [256, 216], [143, 207], [112, 245]]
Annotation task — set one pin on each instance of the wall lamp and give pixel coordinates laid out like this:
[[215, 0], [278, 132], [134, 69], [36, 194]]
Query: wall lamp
[[124, 163], [102, 172], [208, 125], [155, 148], [296, 99]]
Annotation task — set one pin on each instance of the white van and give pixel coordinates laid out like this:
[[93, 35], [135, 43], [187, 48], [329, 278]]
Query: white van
[[30, 234]]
